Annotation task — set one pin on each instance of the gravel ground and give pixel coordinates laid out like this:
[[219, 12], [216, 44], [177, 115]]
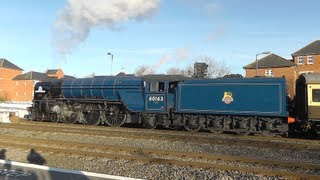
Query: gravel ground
[[129, 168], [146, 170]]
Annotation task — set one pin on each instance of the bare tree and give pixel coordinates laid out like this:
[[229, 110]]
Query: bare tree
[[175, 71], [189, 70], [92, 75], [215, 69], [144, 70]]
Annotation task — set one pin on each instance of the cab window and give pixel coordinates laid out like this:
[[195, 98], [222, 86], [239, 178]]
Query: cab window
[[156, 87], [161, 87], [316, 95], [172, 86]]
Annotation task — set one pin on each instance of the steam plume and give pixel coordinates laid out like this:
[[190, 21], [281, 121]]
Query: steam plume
[[74, 22]]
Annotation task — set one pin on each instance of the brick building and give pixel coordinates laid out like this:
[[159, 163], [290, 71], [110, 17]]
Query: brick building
[[55, 73], [18, 87], [273, 65], [9, 89], [305, 60], [26, 83]]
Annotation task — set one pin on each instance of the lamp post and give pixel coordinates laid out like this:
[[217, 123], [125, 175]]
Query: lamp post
[[111, 60], [257, 66]]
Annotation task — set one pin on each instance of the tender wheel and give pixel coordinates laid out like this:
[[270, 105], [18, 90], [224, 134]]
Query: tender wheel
[[114, 116], [215, 124], [192, 123], [267, 127], [149, 121], [242, 125]]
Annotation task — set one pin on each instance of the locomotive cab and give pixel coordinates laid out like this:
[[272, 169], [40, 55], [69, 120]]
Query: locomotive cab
[[308, 101], [159, 92]]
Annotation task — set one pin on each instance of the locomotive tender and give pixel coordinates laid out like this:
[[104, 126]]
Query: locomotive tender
[[246, 105]]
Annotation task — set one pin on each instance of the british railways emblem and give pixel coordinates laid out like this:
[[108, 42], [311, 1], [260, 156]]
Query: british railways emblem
[[227, 97]]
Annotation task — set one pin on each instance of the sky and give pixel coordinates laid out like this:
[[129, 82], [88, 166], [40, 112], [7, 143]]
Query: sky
[[77, 35]]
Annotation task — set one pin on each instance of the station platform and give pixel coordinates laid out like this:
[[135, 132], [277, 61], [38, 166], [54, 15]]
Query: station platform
[[10, 170]]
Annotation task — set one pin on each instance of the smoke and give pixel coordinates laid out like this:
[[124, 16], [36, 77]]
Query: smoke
[[165, 58], [183, 53], [176, 55], [78, 17]]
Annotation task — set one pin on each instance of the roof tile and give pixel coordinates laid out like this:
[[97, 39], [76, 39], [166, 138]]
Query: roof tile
[[270, 61], [7, 64], [310, 49]]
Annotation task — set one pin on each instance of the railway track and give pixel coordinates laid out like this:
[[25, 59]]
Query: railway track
[[40, 136], [194, 159], [206, 138]]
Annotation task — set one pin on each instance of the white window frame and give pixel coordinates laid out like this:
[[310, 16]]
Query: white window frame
[[305, 72], [310, 60], [268, 73], [300, 60]]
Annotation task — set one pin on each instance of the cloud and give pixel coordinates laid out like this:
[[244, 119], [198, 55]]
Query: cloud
[[75, 21], [212, 7]]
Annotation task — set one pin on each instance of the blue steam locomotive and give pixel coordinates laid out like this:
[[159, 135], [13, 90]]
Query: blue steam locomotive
[[242, 105]]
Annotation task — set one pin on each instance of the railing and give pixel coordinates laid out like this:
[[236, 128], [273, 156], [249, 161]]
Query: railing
[[19, 108]]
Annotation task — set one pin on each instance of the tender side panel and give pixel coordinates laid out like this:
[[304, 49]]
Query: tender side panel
[[234, 98]]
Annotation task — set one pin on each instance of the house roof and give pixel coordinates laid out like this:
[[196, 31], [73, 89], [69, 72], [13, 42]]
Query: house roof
[[31, 76], [7, 64], [52, 71], [68, 77], [310, 49], [270, 61]]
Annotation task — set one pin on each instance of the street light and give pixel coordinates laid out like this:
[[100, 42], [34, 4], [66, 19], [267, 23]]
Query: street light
[[266, 52], [111, 61]]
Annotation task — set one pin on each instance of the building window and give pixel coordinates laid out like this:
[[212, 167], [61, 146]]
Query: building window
[[17, 83], [25, 93], [305, 72], [25, 82], [310, 60], [300, 60], [268, 73]]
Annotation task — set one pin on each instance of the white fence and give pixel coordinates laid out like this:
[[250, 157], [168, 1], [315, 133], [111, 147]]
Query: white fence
[[18, 108]]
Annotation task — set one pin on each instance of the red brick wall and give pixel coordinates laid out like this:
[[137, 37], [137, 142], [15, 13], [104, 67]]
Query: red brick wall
[[59, 74], [11, 90], [24, 90], [315, 67], [8, 87], [288, 72]]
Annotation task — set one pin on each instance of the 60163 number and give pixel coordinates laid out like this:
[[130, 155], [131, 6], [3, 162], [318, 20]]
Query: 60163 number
[[156, 98]]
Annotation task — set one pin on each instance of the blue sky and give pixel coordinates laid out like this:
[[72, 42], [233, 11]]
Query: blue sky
[[167, 33]]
